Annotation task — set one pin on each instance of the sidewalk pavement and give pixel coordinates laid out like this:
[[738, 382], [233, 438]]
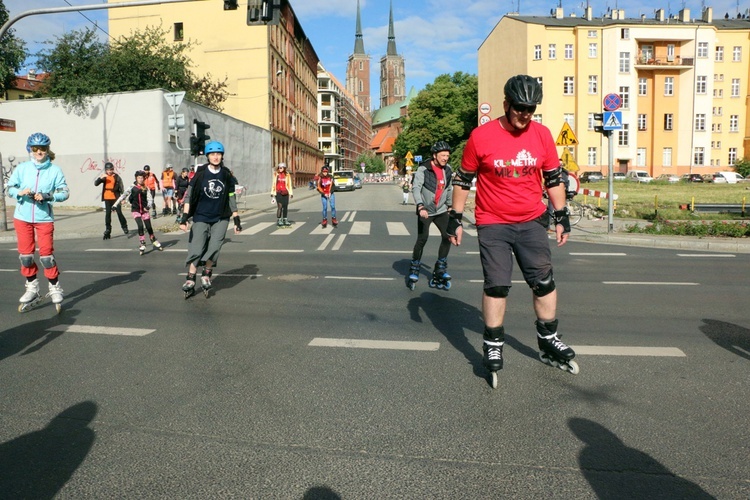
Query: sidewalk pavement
[[88, 222]]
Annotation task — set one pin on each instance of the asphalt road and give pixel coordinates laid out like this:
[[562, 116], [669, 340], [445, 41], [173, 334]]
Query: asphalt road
[[311, 371]]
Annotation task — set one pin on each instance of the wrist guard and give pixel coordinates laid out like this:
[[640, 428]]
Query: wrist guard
[[463, 179], [46, 196], [562, 217], [455, 220], [237, 223], [183, 219]]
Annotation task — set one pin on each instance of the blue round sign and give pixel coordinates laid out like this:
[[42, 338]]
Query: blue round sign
[[612, 102]]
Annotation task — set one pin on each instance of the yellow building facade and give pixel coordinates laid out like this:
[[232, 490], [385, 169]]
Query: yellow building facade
[[270, 71], [683, 84]]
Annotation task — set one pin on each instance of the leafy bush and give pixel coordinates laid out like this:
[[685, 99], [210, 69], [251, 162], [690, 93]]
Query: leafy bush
[[715, 228]]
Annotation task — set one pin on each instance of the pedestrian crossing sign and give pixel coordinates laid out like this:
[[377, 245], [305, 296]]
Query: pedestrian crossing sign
[[612, 120], [566, 137]]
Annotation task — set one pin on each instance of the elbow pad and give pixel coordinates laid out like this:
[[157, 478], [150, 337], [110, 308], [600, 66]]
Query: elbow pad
[[552, 177], [463, 179]]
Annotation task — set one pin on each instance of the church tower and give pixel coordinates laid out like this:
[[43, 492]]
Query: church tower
[[358, 70], [392, 73]]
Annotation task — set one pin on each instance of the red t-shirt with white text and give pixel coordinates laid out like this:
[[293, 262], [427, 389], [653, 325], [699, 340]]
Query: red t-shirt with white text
[[509, 171]]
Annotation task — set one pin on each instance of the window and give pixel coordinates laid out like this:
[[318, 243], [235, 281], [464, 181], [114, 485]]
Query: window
[[670, 52], [640, 157], [702, 50], [736, 53], [668, 121], [732, 158], [715, 144], [719, 93], [593, 50], [590, 122], [622, 135], [735, 87], [625, 33], [669, 85], [700, 84], [719, 54], [537, 118], [642, 86], [179, 32], [734, 121], [553, 51], [699, 157], [666, 157], [591, 157], [718, 77], [647, 54], [568, 51], [624, 62], [716, 127], [361, 65], [593, 84], [641, 122], [700, 122], [570, 119], [625, 96], [361, 86], [537, 52], [568, 85], [717, 111], [591, 33]]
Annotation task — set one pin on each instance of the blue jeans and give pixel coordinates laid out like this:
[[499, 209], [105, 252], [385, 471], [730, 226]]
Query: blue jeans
[[329, 201]]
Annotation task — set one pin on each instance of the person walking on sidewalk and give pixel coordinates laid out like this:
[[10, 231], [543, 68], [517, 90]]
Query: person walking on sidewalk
[[139, 205], [406, 189], [211, 202], [282, 192], [181, 184], [112, 189], [512, 158], [327, 197], [433, 195], [35, 185]]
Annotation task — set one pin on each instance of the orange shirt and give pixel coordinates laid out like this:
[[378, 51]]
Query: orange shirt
[[109, 188]]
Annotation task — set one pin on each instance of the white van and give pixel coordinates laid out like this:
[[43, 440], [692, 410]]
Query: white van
[[639, 176], [730, 177]]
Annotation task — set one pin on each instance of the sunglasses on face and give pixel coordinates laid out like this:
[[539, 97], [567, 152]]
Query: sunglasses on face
[[520, 108], [38, 148]]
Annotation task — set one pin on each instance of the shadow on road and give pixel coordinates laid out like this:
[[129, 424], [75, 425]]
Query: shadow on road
[[733, 338], [38, 464], [233, 277], [616, 471], [321, 493]]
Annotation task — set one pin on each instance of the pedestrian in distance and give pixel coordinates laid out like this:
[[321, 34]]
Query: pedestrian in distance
[[282, 192], [327, 196], [181, 184], [513, 158], [210, 202], [152, 184], [36, 185], [433, 194], [139, 206], [112, 189], [405, 189], [167, 190]]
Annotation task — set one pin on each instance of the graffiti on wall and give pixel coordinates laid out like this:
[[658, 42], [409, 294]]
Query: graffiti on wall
[[89, 164]]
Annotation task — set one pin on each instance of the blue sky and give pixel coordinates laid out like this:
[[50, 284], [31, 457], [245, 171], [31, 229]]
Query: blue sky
[[434, 36]]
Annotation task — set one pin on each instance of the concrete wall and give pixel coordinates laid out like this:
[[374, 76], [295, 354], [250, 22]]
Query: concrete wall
[[130, 130]]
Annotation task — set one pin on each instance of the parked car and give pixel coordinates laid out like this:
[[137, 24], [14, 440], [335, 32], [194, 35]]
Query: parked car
[[357, 182], [590, 177], [691, 178], [715, 178], [639, 176], [670, 178], [618, 176]]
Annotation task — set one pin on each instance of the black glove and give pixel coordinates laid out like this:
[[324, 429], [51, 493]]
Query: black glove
[[237, 223], [183, 219], [562, 217], [455, 220]]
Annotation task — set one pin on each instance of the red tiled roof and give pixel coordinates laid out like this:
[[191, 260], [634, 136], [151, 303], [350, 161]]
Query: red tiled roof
[[376, 141]]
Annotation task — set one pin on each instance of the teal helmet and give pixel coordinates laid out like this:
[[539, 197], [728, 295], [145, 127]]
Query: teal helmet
[[214, 147], [37, 139]]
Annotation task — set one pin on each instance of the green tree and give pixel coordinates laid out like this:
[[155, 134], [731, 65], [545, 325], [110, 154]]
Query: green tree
[[742, 167], [445, 110], [12, 54], [81, 66], [373, 164]]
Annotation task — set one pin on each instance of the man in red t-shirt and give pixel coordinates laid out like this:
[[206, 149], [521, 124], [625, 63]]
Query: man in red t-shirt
[[512, 158]]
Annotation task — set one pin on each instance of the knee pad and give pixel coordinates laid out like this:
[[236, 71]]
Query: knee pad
[[27, 259], [497, 291], [48, 261], [545, 286]]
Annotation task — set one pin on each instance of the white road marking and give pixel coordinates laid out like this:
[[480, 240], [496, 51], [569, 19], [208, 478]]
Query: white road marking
[[182, 250], [102, 330], [375, 344], [599, 254], [358, 278], [109, 250], [611, 350], [256, 228], [360, 228], [649, 283], [322, 230], [287, 230], [326, 242], [706, 255], [275, 250], [397, 229], [400, 252], [68, 271], [470, 232], [339, 242], [482, 281]]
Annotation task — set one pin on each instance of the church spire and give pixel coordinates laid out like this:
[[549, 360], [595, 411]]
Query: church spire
[[391, 35], [359, 44]]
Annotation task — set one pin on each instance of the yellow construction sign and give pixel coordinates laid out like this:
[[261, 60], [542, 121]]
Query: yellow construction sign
[[566, 137], [409, 158], [568, 162]]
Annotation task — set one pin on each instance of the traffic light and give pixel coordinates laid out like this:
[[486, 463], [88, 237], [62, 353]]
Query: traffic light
[[230, 4], [199, 137], [600, 128]]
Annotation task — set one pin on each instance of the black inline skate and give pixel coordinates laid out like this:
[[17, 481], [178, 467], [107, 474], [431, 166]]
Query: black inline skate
[[552, 350], [440, 277], [494, 339], [206, 281], [188, 288], [413, 277], [107, 234]]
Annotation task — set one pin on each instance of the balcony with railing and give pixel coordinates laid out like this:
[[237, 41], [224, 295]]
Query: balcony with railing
[[650, 61]]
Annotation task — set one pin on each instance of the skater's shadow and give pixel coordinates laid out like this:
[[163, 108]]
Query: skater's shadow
[[234, 277], [321, 493], [403, 268], [97, 286], [31, 337], [733, 338], [40, 463], [616, 471], [169, 243]]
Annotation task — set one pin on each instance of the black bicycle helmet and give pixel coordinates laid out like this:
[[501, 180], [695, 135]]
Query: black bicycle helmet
[[524, 90], [440, 146]]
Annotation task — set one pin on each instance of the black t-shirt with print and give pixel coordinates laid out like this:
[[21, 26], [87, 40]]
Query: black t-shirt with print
[[211, 201]]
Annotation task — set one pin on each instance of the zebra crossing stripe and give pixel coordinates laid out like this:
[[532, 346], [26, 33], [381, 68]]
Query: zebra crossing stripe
[[102, 330]]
